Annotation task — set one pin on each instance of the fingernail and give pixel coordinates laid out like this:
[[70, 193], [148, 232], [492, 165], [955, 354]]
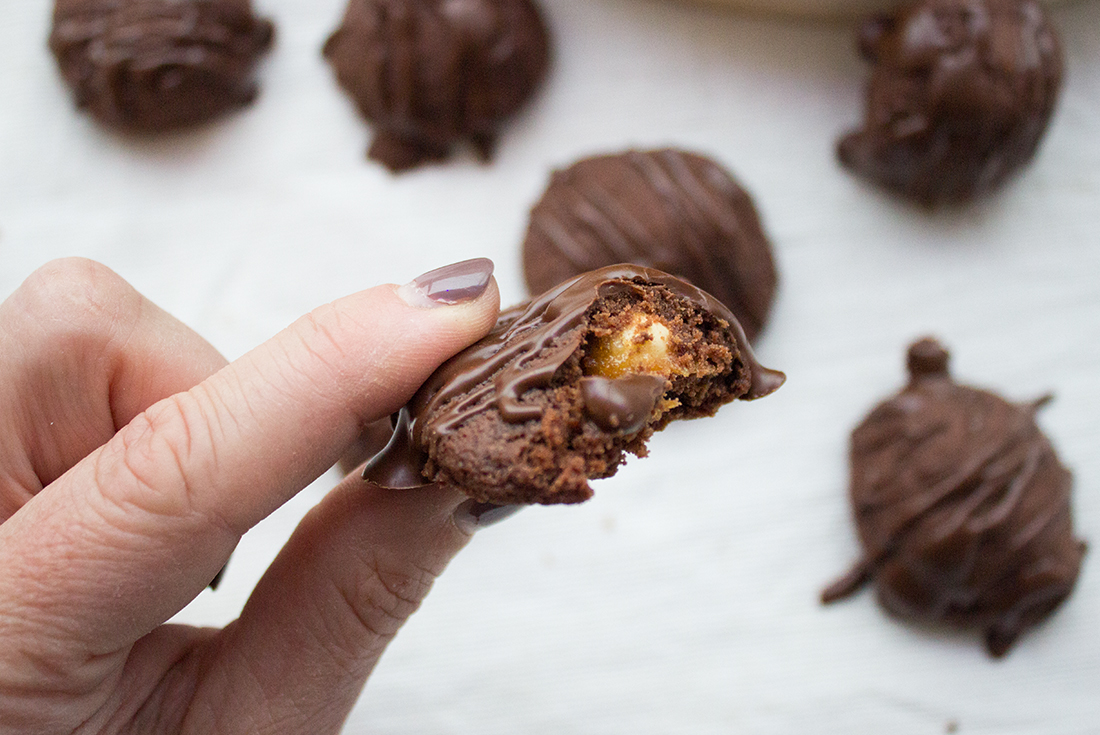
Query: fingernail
[[473, 514], [449, 285]]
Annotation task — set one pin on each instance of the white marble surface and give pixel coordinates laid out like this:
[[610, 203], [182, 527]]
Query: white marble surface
[[683, 598]]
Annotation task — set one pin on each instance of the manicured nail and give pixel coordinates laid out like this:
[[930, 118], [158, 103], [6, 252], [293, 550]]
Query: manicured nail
[[473, 514], [449, 285]]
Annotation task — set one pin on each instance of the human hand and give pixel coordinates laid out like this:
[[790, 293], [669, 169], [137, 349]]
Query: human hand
[[132, 459]]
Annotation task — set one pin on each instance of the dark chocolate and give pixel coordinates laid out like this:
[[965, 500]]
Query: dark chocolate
[[502, 380], [157, 65], [429, 74], [962, 508], [668, 209], [622, 404], [960, 96]]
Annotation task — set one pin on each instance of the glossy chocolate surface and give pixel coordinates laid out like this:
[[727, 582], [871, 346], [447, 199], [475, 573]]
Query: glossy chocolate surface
[[668, 209], [429, 74], [525, 350], [962, 507], [960, 96], [155, 65]]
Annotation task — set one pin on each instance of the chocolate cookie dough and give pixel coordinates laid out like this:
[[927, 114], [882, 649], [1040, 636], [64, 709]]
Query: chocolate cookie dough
[[156, 65], [960, 96], [429, 74], [672, 210], [567, 383], [962, 507]]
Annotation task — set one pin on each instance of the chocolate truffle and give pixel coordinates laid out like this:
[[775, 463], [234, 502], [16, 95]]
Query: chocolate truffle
[[156, 65], [429, 74], [672, 210], [567, 383], [960, 95], [962, 507]]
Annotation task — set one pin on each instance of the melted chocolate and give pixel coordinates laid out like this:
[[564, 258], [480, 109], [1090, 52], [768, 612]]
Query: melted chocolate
[[672, 210], [431, 73], [962, 507], [960, 97], [155, 65], [525, 350], [622, 404]]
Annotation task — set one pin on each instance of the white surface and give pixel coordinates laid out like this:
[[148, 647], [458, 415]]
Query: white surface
[[816, 8], [683, 598]]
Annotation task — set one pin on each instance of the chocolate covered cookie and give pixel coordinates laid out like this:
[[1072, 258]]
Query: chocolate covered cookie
[[672, 210], [960, 96], [156, 65], [429, 74], [962, 507], [566, 384]]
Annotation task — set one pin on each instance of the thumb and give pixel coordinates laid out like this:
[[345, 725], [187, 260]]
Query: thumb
[[134, 531]]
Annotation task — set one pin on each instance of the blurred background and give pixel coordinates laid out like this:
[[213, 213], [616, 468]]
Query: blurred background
[[684, 597]]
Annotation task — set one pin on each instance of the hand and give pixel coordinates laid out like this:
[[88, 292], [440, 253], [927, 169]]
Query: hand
[[133, 458]]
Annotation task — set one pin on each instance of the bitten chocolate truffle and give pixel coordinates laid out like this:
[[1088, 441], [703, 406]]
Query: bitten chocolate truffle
[[672, 210], [962, 507], [429, 74], [157, 65], [960, 96], [567, 383]]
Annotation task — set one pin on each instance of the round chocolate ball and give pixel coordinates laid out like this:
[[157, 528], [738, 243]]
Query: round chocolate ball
[[156, 65], [672, 210], [960, 96], [429, 74], [962, 507]]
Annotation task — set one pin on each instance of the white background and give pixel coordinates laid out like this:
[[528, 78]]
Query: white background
[[683, 598]]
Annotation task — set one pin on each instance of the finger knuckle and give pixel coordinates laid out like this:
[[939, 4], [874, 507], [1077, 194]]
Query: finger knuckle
[[75, 297], [158, 461], [384, 597], [321, 339]]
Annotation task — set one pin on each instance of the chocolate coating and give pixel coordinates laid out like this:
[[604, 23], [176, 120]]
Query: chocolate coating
[[962, 507], [372, 439], [156, 65], [672, 210], [960, 96], [429, 74], [523, 358]]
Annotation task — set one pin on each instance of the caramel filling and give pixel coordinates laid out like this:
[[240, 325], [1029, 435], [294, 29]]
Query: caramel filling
[[642, 346], [645, 345]]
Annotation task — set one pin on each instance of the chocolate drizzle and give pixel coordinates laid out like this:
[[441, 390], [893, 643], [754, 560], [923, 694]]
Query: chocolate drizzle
[[962, 506], [525, 351], [961, 94], [667, 209], [622, 404], [155, 65], [432, 73]]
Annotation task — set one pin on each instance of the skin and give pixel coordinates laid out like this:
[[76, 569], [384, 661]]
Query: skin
[[133, 458]]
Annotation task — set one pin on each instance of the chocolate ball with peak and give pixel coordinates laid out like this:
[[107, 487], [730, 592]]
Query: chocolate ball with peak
[[672, 210], [960, 96], [962, 507], [430, 74], [156, 65]]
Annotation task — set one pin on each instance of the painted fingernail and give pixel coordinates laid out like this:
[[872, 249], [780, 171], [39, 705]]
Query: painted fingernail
[[449, 285], [473, 514]]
